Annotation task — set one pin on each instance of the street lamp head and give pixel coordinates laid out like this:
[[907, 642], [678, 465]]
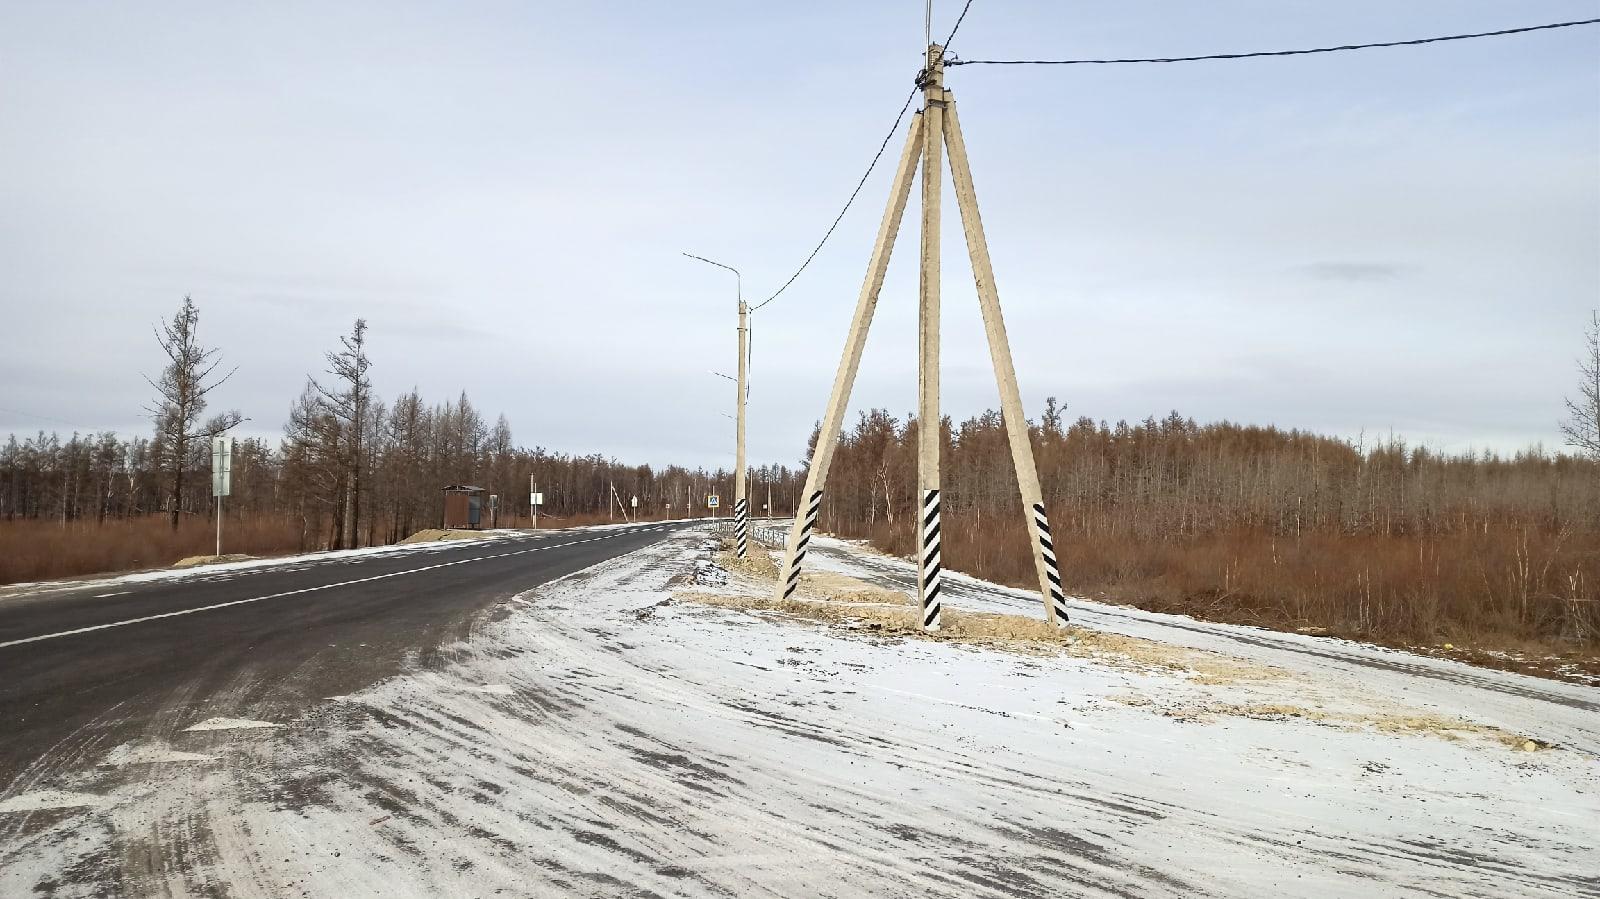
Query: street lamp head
[[738, 280]]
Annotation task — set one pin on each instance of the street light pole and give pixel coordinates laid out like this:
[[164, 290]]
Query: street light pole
[[740, 506]]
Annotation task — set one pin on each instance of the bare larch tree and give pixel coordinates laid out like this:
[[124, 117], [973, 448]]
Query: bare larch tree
[[348, 401], [181, 392], [1582, 427]]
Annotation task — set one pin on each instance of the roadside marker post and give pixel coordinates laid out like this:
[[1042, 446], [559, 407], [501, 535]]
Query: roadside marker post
[[936, 127], [221, 476], [535, 500]]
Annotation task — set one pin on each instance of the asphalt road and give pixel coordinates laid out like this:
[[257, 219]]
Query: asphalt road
[[85, 669]]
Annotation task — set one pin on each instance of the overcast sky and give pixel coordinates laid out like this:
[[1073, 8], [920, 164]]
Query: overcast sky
[[1403, 240]]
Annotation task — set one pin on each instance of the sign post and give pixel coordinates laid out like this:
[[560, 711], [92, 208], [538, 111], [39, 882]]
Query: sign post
[[535, 500], [221, 476], [712, 502]]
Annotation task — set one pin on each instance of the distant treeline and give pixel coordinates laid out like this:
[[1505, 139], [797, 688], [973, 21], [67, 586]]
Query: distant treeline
[[349, 471], [1255, 524], [93, 478]]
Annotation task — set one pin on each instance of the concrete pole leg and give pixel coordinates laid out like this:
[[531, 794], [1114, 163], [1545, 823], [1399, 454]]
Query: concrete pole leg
[[930, 566], [810, 505], [1005, 374]]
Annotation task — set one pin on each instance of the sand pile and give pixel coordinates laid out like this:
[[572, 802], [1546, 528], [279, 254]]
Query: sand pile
[[194, 561], [431, 535], [883, 612], [1392, 722]]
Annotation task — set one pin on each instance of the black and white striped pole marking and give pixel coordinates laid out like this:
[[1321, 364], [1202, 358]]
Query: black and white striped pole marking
[[792, 577], [1052, 573], [932, 130], [932, 566], [741, 529]]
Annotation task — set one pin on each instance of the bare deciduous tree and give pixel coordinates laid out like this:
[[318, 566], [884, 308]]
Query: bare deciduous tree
[[348, 402], [1582, 427], [181, 393]]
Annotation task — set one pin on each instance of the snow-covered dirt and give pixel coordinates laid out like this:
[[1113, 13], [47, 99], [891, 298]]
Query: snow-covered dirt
[[598, 736]]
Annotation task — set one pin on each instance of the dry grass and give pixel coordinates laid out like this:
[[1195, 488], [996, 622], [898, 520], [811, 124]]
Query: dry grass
[[37, 550], [1405, 722], [585, 519], [1515, 589], [830, 585], [432, 535], [850, 604], [196, 561]]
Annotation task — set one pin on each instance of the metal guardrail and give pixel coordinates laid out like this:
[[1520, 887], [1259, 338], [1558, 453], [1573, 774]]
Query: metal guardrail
[[772, 533], [771, 537]]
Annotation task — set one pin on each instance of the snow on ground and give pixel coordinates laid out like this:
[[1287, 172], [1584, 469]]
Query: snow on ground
[[597, 736], [1551, 711]]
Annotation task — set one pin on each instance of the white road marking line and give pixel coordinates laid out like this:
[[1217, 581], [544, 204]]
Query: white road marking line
[[118, 593], [240, 602]]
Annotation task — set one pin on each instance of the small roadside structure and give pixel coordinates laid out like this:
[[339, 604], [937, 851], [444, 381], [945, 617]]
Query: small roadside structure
[[463, 507]]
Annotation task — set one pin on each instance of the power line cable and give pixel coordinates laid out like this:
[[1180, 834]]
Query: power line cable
[[853, 194], [959, 19], [927, 26], [1262, 53], [1070, 62]]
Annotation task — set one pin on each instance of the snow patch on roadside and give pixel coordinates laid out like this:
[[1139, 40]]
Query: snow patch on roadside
[[45, 800], [152, 753], [228, 724]]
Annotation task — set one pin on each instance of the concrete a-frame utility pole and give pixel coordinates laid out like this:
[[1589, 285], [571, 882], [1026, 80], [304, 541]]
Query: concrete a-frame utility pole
[[932, 129]]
